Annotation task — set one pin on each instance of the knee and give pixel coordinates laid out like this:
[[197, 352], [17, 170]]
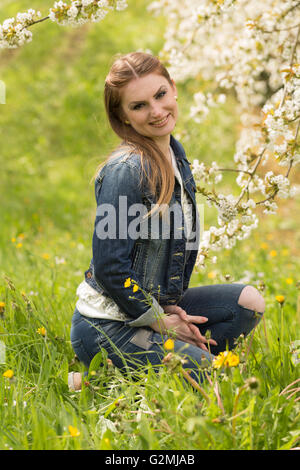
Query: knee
[[252, 299]]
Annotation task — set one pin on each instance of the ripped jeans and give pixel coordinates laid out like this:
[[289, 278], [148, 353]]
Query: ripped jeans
[[130, 348]]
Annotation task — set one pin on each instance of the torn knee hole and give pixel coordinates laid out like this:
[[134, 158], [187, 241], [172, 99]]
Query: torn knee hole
[[252, 299]]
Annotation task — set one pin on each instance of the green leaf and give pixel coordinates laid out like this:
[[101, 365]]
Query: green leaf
[[113, 406], [98, 360]]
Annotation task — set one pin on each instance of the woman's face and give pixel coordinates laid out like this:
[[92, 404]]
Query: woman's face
[[149, 104]]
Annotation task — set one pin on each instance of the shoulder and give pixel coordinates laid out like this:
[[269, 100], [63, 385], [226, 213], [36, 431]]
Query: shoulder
[[122, 170], [124, 155], [123, 159]]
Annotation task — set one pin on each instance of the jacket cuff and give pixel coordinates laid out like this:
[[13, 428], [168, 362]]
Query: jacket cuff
[[150, 316]]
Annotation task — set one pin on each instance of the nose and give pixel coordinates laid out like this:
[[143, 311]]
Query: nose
[[156, 111]]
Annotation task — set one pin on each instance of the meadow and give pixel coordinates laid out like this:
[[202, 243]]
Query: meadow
[[53, 135]]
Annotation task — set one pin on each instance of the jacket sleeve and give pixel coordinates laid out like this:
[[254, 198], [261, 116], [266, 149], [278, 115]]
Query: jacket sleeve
[[113, 245]]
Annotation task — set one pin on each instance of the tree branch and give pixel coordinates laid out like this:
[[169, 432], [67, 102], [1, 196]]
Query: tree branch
[[234, 169], [38, 21], [291, 63]]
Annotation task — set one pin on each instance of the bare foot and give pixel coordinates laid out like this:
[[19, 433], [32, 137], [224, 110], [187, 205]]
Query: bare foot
[[74, 381]]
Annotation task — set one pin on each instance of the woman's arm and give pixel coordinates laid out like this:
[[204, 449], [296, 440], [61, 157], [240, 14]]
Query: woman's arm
[[113, 243]]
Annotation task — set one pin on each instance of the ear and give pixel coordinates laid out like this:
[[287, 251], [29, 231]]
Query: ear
[[122, 115]]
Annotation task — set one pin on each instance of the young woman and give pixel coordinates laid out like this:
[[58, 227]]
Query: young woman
[[136, 290]]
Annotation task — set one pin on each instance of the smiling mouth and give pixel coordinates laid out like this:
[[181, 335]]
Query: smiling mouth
[[161, 122]]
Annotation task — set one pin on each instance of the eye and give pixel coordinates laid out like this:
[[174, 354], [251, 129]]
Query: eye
[[161, 94], [138, 106], [158, 96]]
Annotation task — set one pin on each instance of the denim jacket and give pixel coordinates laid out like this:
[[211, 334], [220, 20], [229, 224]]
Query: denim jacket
[[156, 259]]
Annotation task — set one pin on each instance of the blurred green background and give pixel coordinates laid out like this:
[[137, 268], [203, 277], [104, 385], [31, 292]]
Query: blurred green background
[[53, 135]]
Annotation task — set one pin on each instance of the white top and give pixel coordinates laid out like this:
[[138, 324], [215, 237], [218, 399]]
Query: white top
[[95, 305], [187, 208]]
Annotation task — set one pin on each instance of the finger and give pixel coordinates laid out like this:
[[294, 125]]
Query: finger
[[196, 319], [211, 341], [189, 318], [169, 309], [182, 314], [200, 337], [188, 334], [193, 341], [199, 344], [202, 346], [196, 332]]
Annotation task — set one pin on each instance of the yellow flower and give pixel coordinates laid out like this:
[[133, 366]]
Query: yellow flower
[[105, 444], [8, 374], [169, 344], [273, 253], [264, 246], [289, 280], [2, 306], [45, 256], [226, 358], [234, 360], [19, 245], [127, 283], [41, 331], [135, 288], [13, 239], [211, 275], [280, 298], [73, 431]]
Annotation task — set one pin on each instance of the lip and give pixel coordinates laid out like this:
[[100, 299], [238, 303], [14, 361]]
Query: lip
[[163, 122]]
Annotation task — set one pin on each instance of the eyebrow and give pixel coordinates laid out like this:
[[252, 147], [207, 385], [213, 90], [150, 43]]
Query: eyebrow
[[142, 101]]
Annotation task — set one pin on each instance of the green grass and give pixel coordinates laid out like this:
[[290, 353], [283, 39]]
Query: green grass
[[53, 134]]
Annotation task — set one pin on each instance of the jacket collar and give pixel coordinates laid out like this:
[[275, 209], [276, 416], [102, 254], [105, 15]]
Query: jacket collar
[[177, 148]]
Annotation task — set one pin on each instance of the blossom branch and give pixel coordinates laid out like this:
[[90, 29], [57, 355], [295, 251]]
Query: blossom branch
[[291, 63], [247, 172], [14, 32], [292, 160], [252, 173], [237, 52], [39, 21], [278, 30]]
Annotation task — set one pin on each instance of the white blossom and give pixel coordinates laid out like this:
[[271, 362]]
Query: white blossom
[[14, 32], [245, 47]]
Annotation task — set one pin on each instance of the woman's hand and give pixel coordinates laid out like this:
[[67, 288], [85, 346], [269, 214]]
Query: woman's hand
[[182, 324]]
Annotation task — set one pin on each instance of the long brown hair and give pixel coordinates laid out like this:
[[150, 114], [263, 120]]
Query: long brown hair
[[160, 175]]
